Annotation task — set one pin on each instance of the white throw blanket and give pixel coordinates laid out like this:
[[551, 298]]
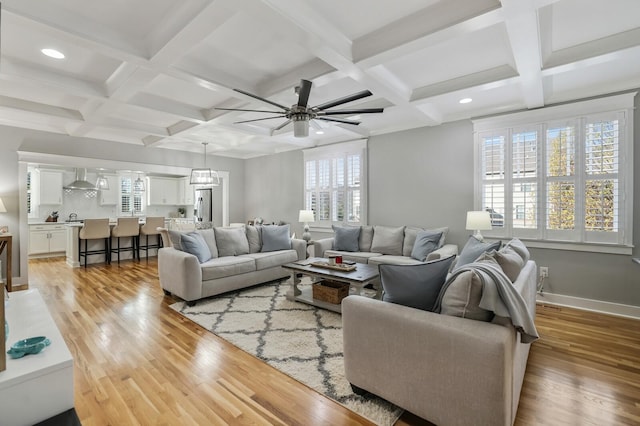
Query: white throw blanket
[[500, 297]]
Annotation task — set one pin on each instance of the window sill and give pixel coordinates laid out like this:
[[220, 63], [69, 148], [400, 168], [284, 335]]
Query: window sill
[[567, 245]]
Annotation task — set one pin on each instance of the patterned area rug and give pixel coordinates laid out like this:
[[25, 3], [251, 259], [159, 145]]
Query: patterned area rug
[[302, 341]]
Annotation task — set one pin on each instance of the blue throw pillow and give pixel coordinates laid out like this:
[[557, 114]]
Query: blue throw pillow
[[195, 244], [426, 242], [416, 286], [346, 238], [473, 249], [275, 237]]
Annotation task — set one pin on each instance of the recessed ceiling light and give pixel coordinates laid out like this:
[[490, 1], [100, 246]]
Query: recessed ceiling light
[[465, 100], [53, 53], [319, 132]]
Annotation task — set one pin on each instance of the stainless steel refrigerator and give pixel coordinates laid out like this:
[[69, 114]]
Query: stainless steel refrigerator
[[203, 206]]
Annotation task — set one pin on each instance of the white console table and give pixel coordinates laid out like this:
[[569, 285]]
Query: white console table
[[35, 387]]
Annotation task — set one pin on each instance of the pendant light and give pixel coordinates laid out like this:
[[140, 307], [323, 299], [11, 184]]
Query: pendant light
[[102, 183], [138, 185], [204, 176]]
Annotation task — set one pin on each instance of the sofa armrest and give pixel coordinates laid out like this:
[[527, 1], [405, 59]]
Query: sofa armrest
[[180, 273], [433, 365], [300, 246], [320, 246], [444, 251]]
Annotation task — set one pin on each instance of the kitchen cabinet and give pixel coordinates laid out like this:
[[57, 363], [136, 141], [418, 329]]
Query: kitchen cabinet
[[109, 197], [47, 239], [163, 191], [186, 192], [50, 187]]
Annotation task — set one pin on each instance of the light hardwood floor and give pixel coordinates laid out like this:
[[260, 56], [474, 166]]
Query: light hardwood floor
[[139, 362]]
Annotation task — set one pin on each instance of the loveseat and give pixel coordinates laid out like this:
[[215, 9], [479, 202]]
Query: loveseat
[[231, 258], [378, 245], [443, 366]]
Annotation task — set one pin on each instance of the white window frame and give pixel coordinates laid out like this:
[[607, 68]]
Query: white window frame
[[619, 107], [331, 153], [143, 203]]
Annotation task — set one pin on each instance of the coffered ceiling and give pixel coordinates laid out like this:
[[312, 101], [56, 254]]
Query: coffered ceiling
[[152, 72]]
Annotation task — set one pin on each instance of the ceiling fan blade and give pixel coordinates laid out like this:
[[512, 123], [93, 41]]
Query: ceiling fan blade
[[248, 110], [303, 93], [262, 99], [344, 100], [352, 111], [280, 126], [338, 120], [258, 119]]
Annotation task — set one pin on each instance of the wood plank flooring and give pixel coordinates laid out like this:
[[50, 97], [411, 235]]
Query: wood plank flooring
[[137, 362]]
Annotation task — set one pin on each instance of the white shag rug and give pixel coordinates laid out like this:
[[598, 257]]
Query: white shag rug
[[300, 340]]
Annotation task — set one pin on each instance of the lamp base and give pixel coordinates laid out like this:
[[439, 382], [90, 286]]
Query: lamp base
[[478, 236], [306, 235]]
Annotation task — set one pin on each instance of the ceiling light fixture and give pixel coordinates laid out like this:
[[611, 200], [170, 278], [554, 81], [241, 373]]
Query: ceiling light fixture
[[138, 185], [465, 100], [53, 53], [102, 183], [319, 132], [204, 176]]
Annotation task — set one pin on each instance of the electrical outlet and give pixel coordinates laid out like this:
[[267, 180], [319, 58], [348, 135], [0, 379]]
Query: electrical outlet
[[544, 271]]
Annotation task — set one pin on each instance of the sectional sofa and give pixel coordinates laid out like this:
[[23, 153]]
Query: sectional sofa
[[223, 259]]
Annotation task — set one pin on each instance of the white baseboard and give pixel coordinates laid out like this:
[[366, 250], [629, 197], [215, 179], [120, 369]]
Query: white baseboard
[[617, 309]]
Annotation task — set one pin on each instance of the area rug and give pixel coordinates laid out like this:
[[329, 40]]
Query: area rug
[[300, 340]]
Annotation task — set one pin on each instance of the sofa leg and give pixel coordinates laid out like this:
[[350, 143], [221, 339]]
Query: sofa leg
[[191, 303], [357, 390]]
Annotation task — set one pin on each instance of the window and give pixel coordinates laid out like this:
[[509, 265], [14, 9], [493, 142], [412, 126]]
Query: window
[[559, 174], [130, 202], [333, 183]]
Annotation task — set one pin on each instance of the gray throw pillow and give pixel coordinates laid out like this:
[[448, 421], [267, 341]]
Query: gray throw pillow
[[209, 238], [231, 241], [194, 243], [174, 237], [387, 240], [346, 238], [254, 236], [275, 237], [426, 242], [519, 248], [416, 286], [473, 249]]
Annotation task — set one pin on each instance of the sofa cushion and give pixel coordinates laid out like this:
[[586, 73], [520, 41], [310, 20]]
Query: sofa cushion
[[210, 238], [275, 237], [254, 237], [353, 256], [425, 243], [462, 296], [411, 232], [473, 249], [417, 286], [226, 266], [519, 248], [175, 237], [366, 238], [388, 240], [510, 262], [387, 259], [231, 241], [272, 258], [346, 238], [194, 244]]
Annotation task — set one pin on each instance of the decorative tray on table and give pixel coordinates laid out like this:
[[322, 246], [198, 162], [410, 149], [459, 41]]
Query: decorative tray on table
[[336, 267]]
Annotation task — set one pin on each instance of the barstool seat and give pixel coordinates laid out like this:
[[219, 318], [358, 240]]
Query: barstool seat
[[150, 227], [94, 229], [126, 227]]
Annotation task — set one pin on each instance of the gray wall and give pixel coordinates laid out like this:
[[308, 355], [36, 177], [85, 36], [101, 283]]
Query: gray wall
[[424, 177]]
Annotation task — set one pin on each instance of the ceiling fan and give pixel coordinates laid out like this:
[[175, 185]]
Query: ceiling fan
[[301, 114]]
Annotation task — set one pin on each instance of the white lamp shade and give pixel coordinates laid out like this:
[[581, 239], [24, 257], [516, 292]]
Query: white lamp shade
[[306, 216], [3, 209], [478, 220]]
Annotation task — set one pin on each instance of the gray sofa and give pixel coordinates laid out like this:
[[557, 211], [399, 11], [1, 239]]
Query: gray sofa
[[238, 262], [447, 369], [386, 245]]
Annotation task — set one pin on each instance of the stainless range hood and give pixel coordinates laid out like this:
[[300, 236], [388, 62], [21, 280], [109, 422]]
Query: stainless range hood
[[81, 182]]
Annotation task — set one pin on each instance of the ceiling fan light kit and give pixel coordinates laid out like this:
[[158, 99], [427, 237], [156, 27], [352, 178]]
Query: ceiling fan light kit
[[301, 114]]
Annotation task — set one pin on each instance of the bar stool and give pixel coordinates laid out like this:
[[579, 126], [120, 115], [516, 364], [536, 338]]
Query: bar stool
[[150, 227], [126, 227], [94, 229]]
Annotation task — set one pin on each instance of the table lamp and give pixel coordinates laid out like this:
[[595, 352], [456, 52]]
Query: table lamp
[[306, 216], [478, 221]]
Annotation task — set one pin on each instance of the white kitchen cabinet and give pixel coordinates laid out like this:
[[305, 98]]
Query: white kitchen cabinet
[[109, 197], [163, 191], [186, 192], [50, 187], [47, 239]]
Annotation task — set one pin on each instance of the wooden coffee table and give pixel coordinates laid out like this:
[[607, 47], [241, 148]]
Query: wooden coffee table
[[357, 279]]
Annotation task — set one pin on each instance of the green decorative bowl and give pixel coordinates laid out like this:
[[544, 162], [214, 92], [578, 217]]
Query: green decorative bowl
[[30, 346]]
